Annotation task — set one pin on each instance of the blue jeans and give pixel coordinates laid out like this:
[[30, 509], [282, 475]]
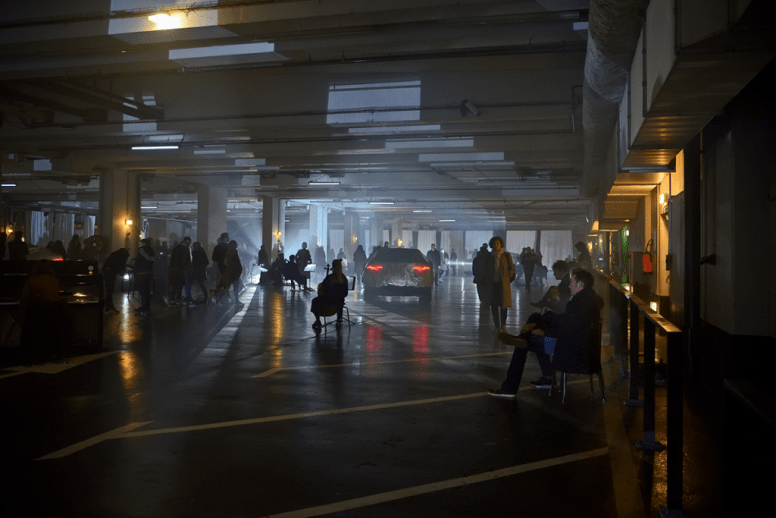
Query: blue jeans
[[516, 366]]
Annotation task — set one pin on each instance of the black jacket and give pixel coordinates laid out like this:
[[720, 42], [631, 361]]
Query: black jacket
[[573, 327]]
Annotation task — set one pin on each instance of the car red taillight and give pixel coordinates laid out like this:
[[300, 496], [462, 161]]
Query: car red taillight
[[421, 268], [374, 267]]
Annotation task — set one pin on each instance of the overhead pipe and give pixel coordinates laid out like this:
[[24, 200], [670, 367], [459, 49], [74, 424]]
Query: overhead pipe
[[614, 28]]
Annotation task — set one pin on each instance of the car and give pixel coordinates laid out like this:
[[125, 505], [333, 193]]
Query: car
[[398, 272]]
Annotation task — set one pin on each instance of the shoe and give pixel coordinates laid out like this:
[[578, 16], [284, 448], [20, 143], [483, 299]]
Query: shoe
[[500, 393], [514, 341], [543, 383], [317, 326]]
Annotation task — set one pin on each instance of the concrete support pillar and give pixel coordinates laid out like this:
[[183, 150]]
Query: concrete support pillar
[[396, 228], [211, 215], [120, 204], [376, 233], [350, 235], [319, 223], [273, 225]]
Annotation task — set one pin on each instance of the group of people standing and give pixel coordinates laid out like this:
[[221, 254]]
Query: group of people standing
[[187, 264]]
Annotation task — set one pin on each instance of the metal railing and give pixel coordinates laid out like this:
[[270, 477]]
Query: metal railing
[[623, 320]]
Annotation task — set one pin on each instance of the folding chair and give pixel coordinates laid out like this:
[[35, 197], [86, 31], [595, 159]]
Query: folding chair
[[589, 363]]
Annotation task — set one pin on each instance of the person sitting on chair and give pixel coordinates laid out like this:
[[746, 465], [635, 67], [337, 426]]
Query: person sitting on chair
[[557, 296], [571, 328], [331, 295]]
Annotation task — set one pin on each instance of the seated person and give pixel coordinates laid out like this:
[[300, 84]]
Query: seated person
[[291, 273], [571, 328], [274, 274], [331, 294], [557, 296]]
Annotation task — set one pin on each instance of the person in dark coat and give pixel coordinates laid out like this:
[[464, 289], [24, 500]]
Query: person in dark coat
[[74, 248], [359, 261], [219, 254], [331, 295], [479, 266], [179, 271], [302, 260], [528, 261], [115, 264], [291, 272], [199, 264], [583, 259], [264, 258], [571, 328], [436, 260], [557, 296], [234, 269], [144, 275]]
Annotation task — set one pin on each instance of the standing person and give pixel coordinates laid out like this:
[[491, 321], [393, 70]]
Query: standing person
[[501, 273], [436, 259], [199, 263], [443, 265], [180, 271], [359, 261], [453, 261], [528, 261], [233, 269], [320, 261], [17, 249], [264, 258], [115, 264], [479, 270], [331, 256], [219, 254], [144, 275], [572, 329], [74, 248], [302, 260], [583, 259]]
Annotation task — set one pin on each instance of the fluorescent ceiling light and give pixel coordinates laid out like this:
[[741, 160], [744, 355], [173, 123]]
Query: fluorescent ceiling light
[[449, 157], [421, 211], [209, 151], [8, 185], [446, 220], [148, 207], [389, 129], [471, 164], [411, 144], [152, 148], [380, 203], [324, 182]]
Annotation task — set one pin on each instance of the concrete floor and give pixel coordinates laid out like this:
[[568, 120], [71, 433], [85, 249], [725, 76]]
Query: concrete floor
[[245, 412]]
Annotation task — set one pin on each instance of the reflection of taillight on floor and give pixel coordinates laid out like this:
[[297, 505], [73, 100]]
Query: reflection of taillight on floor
[[374, 267], [58, 259], [421, 268]]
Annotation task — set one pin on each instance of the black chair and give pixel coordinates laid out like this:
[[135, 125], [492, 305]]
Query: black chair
[[331, 311], [589, 363]]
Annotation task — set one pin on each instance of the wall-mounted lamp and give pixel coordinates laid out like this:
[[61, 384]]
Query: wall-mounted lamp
[[128, 222], [627, 232], [661, 199]]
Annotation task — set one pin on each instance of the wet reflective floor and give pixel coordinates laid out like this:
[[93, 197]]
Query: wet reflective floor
[[244, 411]]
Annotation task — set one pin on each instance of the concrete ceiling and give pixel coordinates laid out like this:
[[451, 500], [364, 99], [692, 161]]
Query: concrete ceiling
[[244, 89]]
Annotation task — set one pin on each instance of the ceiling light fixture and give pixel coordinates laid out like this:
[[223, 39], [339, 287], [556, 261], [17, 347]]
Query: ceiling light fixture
[[8, 184], [418, 211], [152, 148], [380, 203], [323, 182], [446, 220]]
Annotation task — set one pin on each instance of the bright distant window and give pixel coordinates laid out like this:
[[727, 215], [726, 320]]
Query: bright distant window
[[376, 102]]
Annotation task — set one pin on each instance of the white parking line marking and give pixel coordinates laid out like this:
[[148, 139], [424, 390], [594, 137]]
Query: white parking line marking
[[56, 368], [123, 432], [301, 367], [399, 494], [113, 434]]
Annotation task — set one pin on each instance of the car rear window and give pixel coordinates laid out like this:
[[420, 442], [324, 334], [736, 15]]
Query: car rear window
[[400, 255]]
